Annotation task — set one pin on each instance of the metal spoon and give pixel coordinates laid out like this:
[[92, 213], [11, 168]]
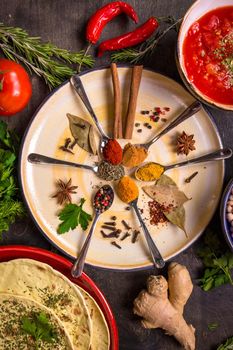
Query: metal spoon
[[113, 172], [188, 112], [106, 190], [217, 155], [155, 254], [79, 88]]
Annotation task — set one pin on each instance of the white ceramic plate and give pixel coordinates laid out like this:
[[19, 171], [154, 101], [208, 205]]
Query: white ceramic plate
[[49, 128]]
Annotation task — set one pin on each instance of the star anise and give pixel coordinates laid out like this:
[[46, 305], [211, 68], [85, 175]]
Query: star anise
[[64, 191], [185, 143]]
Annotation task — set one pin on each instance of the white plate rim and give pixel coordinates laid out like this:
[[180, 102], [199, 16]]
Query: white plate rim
[[120, 268]]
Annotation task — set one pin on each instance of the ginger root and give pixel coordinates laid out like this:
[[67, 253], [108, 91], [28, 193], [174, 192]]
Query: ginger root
[[159, 311]]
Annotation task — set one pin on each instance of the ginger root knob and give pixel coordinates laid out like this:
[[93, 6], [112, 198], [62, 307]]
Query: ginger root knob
[[160, 311]]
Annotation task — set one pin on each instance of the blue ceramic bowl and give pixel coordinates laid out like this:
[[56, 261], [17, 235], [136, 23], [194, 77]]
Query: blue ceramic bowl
[[226, 225]]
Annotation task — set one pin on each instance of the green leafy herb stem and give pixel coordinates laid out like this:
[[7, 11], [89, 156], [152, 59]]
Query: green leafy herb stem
[[137, 54], [39, 328], [228, 345], [218, 262], [73, 215], [44, 59], [11, 206]]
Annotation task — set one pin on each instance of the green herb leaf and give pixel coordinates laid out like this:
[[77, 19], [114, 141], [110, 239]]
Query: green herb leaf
[[228, 345], [73, 215], [10, 205], [46, 60], [38, 327], [218, 262], [212, 326]]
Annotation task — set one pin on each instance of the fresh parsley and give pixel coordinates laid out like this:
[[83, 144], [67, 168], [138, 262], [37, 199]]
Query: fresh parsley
[[212, 326], [11, 206], [39, 328], [218, 262], [227, 346], [73, 215]]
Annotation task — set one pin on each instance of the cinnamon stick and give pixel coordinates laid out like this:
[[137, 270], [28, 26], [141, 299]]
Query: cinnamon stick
[[134, 88], [117, 128]]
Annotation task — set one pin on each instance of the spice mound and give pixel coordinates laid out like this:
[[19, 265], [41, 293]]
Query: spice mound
[[133, 155], [127, 189], [109, 172], [149, 172], [103, 199], [112, 152]]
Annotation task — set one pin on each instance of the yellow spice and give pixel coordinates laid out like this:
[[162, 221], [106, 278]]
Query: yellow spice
[[150, 172], [127, 189]]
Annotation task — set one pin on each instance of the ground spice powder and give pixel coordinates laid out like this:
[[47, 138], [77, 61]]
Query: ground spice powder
[[112, 152], [150, 172], [127, 189], [133, 155]]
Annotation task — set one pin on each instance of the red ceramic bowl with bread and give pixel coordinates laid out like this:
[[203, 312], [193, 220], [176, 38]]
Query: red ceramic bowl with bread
[[205, 52]]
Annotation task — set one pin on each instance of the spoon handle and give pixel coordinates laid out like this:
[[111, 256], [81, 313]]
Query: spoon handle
[[192, 109], [217, 155], [79, 88], [37, 158], [155, 254], [78, 265]]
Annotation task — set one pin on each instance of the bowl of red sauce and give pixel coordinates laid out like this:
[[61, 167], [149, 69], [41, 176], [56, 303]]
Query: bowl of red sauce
[[205, 52]]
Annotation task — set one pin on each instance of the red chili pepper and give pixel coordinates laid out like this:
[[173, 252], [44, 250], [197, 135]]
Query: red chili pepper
[[104, 15], [133, 38]]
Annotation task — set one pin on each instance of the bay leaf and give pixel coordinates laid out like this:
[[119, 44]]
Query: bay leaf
[[177, 217], [80, 130], [92, 141], [167, 195], [165, 180], [166, 192]]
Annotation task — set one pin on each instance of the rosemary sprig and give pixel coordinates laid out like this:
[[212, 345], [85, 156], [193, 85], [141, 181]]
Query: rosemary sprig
[[137, 54], [44, 59]]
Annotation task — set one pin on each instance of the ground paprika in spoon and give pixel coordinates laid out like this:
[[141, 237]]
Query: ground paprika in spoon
[[112, 152]]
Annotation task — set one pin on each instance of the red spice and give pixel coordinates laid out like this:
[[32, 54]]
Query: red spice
[[156, 211], [112, 152]]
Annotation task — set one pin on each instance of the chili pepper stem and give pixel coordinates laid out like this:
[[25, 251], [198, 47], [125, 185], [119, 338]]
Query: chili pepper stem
[[85, 53]]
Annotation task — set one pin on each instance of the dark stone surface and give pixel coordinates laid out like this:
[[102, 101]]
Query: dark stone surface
[[63, 23]]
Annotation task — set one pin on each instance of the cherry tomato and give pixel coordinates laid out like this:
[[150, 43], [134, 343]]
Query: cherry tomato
[[15, 87]]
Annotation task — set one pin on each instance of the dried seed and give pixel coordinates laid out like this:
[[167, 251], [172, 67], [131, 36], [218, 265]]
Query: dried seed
[[110, 223], [189, 179], [137, 124], [64, 149], [67, 142], [139, 130], [106, 227], [116, 245], [113, 218], [103, 234], [135, 236], [127, 234], [126, 225]]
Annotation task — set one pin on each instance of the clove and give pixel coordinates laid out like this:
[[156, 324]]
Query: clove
[[110, 223], [127, 234], [126, 225], [135, 236], [116, 245]]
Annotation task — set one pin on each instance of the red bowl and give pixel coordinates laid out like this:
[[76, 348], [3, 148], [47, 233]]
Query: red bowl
[[64, 266]]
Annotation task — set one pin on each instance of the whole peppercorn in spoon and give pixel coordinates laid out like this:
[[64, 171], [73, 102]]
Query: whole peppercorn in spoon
[[102, 201]]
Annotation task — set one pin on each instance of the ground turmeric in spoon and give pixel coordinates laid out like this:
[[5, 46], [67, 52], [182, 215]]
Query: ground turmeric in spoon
[[127, 189], [150, 172]]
